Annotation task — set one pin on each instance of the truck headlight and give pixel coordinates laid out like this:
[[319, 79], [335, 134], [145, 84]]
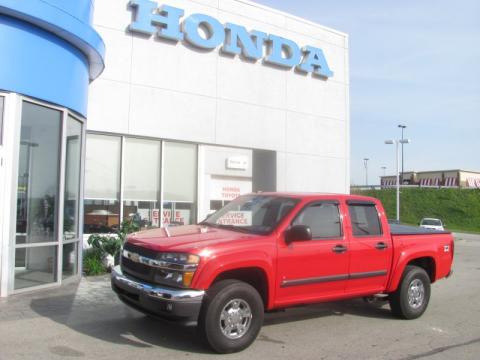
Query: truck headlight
[[179, 268], [180, 258]]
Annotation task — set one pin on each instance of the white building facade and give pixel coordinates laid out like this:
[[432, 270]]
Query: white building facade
[[199, 101], [198, 124]]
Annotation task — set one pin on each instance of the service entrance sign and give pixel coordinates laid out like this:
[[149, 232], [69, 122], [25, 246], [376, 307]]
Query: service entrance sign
[[236, 218]]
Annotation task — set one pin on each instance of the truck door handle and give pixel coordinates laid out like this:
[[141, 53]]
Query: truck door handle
[[381, 246], [339, 249]]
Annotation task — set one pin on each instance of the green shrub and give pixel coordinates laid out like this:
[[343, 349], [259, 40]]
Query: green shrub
[[104, 244], [92, 262]]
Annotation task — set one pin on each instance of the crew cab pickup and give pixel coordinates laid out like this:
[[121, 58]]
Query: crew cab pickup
[[268, 251]]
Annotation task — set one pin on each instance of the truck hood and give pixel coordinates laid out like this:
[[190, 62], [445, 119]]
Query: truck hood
[[189, 238]]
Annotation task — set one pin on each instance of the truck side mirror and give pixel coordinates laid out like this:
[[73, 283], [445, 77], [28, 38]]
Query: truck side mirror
[[298, 233]]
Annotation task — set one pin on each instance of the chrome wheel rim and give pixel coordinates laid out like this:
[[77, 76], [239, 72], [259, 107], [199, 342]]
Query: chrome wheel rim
[[416, 294], [235, 319]]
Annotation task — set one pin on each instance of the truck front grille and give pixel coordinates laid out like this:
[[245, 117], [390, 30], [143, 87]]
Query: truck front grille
[[141, 271]]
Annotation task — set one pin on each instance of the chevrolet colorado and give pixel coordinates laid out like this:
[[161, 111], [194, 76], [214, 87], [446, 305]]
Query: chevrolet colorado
[[268, 251]]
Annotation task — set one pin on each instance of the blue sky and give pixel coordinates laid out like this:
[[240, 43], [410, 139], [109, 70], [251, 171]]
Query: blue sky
[[411, 62]]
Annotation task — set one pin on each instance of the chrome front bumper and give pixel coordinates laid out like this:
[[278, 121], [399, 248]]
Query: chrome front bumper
[[173, 304]]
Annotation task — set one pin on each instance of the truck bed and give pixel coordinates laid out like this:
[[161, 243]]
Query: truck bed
[[396, 229]]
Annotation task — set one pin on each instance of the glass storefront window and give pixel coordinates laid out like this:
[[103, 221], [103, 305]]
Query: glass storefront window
[[180, 183], [141, 172], [72, 179], [141, 181], [35, 266], [102, 184], [38, 185]]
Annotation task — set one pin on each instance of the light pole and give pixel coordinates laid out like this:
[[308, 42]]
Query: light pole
[[397, 161], [403, 127], [365, 163], [384, 168]]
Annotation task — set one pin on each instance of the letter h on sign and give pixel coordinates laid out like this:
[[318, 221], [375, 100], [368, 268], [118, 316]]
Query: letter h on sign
[[168, 19]]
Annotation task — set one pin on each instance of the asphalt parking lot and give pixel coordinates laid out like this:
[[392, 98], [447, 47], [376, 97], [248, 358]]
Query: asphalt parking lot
[[85, 320]]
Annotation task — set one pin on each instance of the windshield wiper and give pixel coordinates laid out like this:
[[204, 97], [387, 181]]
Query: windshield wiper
[[245, 229], [233, 227]]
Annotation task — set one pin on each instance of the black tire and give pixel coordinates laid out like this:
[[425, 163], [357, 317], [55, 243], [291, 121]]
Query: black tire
[[411, 298], [222, 296]]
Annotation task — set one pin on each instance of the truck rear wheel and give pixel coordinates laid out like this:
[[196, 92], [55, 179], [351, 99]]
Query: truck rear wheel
[[410, 300], [231, 316]]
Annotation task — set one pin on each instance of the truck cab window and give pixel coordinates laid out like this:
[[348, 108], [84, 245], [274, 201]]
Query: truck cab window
[[365, 221], [323, 219]]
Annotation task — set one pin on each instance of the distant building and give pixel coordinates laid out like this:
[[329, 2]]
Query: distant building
[[438, 178]]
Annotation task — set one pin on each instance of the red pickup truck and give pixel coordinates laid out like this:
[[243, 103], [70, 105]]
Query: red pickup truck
[[269, 251]]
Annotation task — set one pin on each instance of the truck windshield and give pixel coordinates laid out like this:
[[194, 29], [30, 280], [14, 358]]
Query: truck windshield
[[258, 214]]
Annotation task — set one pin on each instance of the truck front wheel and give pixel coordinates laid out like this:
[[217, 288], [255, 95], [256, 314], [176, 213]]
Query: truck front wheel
[[411, 298], [231, 316]]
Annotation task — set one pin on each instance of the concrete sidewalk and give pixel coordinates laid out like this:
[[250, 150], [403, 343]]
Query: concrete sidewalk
[[83, 320]]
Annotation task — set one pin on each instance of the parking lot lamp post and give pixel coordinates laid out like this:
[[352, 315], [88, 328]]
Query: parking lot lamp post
[[365, 163], [397, 161], [403, 127]]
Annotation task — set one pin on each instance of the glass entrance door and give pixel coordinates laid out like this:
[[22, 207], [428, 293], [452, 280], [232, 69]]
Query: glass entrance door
[[49, 148], [37, 196]]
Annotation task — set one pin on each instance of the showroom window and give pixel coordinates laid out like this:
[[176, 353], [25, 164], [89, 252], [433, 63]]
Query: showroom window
[[102, 184], [141, 189], [180, 183], [129, 170], [48, 193]]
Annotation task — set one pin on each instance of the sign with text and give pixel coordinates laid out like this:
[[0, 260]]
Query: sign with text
[[229, 189], [237, 218], [237, 162], [206, 32], [177, 217]]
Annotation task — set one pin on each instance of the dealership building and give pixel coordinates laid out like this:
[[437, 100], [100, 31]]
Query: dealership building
[[160, 112]]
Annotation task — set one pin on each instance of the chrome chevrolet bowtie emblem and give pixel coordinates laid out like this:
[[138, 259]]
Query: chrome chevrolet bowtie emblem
[[134, 257]]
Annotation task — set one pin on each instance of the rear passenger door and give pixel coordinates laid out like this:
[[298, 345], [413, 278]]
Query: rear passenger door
[[370, 249]]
